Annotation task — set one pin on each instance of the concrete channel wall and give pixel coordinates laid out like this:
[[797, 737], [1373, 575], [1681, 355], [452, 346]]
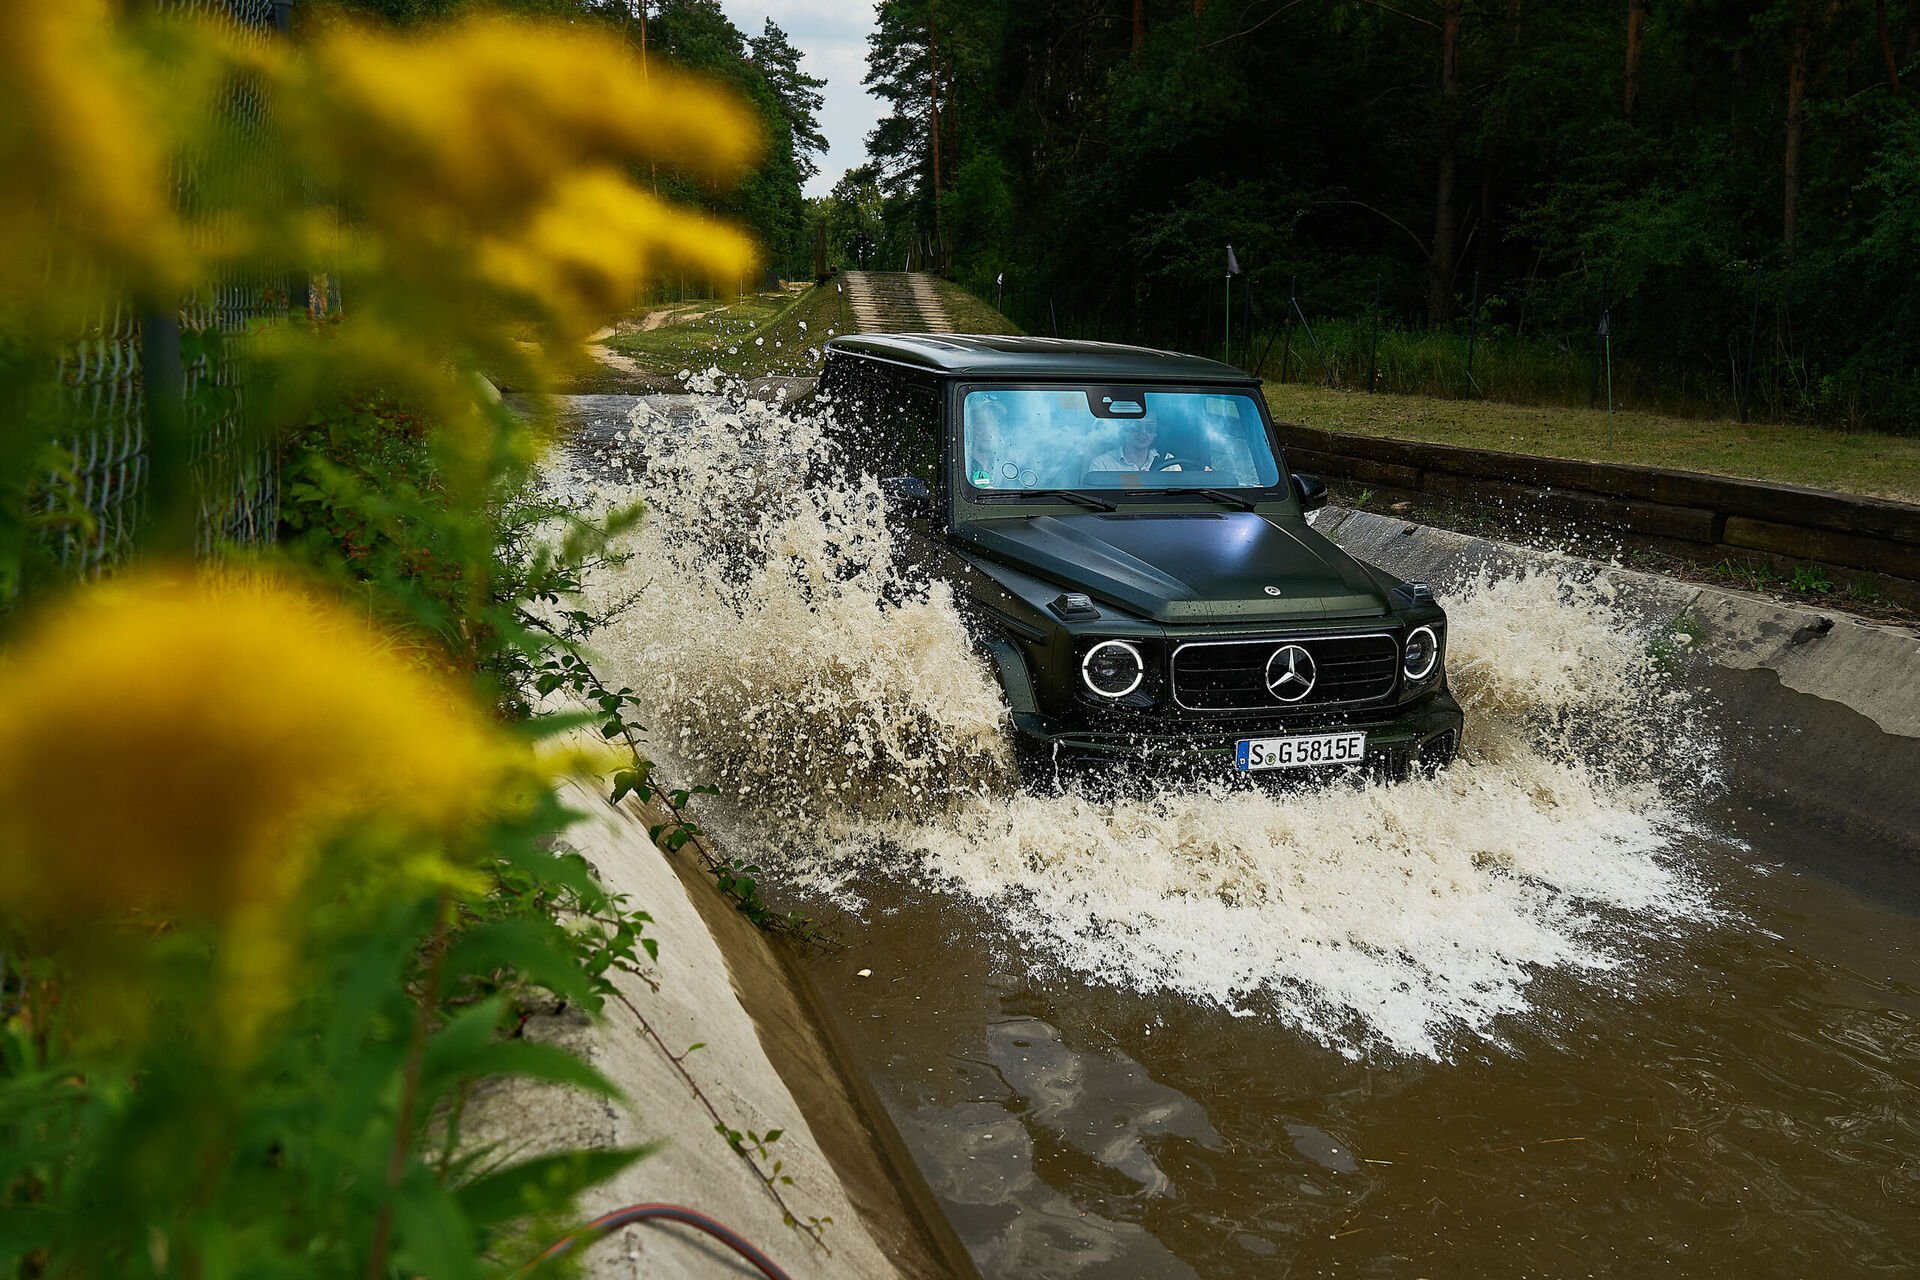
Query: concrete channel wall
[[767, 1059], [1705, 518], [1820, 712]]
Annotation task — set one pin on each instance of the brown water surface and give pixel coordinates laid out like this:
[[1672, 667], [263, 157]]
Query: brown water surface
[[1742, 1103]]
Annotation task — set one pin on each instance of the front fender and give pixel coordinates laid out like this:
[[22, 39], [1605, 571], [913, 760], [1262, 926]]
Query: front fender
[[1010, 669]]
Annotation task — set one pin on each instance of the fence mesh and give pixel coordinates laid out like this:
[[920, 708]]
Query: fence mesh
[[106, 372]]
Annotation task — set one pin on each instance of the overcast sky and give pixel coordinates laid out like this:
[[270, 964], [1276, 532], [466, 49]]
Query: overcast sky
[[832, 34]]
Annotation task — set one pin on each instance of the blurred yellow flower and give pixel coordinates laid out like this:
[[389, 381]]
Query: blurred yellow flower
[[461, 177], [487, 116], [179, 744], [83, 143], [586, 249]]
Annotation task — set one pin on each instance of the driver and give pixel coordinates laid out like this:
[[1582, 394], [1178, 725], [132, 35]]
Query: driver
[[1136, 451]]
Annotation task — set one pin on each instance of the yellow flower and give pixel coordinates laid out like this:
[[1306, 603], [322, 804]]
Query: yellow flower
[[584, 251], [180, 744], [486, 117], [83, 142]]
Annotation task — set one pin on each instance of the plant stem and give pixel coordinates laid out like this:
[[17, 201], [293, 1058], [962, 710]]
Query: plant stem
[[811, 1230], [410, 1085]]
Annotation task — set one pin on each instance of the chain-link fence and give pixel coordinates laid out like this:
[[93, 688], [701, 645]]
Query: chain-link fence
[[110, 371]]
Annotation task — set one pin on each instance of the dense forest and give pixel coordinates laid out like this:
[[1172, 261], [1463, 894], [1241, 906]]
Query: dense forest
[[1710, 176], [765, 69]]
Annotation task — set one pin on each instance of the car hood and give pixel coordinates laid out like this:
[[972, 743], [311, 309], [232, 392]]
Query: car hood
[[1191, 567]]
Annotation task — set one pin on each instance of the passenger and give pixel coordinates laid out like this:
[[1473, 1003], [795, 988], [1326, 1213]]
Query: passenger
[[988, 467]]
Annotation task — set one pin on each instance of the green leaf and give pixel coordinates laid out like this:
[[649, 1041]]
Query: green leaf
[[528, 1060], [532, 1185], [459, 1042], [432, 1236], [537, 950]]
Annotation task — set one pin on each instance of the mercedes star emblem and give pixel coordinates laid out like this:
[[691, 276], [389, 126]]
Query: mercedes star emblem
[[1272, 591], [1290, 673]]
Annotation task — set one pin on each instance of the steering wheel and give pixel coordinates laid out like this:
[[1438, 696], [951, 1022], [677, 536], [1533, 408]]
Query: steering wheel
[[1173, 461]]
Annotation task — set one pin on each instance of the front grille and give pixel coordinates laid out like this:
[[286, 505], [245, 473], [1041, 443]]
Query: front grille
[[1232, 675]]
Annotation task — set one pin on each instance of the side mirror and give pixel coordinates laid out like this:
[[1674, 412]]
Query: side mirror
[[1311, 490], [908, 496]]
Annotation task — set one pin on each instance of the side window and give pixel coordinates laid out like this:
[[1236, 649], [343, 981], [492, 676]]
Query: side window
[[850, 385], [904, 413], [887, 420], [920, 433], [833, 377]]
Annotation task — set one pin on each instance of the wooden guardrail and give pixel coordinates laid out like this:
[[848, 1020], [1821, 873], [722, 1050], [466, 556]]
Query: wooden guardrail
[[1704, 517]]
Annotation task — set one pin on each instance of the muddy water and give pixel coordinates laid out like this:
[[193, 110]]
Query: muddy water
[[1573, 1008], [1738, 1099]]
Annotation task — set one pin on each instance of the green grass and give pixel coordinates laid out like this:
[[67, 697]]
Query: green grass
[[1822, 458], [773, 333], [970, 314], [1518, 369], [703, 338], [748, 337]]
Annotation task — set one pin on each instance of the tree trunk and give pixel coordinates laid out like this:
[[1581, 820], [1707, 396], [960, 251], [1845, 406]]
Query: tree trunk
[[1636, 18], [1886, 46], [933, 128], [1492, 161], [1440, 261], [1796, 128], [1139, 32]]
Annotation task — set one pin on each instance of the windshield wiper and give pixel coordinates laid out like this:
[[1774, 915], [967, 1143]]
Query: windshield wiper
[[1218, 495], [1074, 495]]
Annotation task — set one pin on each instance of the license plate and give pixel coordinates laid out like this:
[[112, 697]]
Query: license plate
[[1300, 751]]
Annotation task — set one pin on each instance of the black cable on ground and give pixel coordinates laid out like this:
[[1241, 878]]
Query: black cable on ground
[[607, 1223]]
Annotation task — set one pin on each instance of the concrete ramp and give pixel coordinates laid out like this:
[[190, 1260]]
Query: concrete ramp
[[895, 302]]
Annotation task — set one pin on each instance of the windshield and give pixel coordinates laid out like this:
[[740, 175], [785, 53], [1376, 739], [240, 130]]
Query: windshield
[[1054, 439]]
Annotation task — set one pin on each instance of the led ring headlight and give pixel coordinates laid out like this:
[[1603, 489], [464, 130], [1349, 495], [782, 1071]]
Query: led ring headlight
[[1419, 659], [1112, 669]]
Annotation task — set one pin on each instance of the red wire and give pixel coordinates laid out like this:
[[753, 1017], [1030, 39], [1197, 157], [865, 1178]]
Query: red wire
[[607, 1223]]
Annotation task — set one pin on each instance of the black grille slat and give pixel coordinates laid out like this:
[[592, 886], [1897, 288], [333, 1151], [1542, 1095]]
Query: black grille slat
[[1231, 675]]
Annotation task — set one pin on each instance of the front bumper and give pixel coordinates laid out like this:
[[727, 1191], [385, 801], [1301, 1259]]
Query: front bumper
[[1422, 733]]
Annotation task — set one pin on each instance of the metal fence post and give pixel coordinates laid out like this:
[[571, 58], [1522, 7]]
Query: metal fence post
[[1473, 332], [1286, 321], [1599, 336], [1373, 356], [1326, 369], [1606, 336], [167, 525], [1753, 333]]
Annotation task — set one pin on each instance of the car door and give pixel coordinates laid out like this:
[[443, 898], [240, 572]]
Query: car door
[[913, 454]]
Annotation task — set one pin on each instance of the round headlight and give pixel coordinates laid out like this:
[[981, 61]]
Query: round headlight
[[1422, 653], [1113, 669]]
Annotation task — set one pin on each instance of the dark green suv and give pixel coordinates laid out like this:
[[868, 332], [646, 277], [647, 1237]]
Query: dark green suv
[[1135, 557]]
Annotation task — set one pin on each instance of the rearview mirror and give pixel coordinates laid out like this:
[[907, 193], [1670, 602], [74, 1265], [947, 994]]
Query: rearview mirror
[[1312, 491]]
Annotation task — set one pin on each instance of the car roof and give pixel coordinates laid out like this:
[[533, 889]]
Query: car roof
[[1000, 356]]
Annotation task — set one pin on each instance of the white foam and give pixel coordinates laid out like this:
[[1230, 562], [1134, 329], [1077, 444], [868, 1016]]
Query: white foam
[[799, 664]]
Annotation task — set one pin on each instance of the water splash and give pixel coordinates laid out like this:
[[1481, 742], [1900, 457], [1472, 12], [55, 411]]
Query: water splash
[[799, 662]]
